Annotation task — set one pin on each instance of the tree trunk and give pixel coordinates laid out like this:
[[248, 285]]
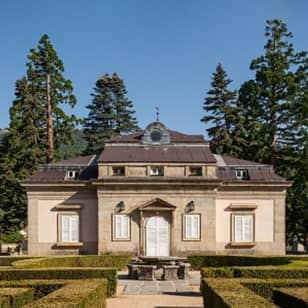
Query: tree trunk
[[50, 142]]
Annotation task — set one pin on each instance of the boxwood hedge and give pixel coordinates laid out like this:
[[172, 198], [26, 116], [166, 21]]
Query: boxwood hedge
[[255, 272], [223, 293], [64, 273], [7, 261], [15, 297], [118, 261], [291, 297], [199, 261], [81, 293], [251, 292]]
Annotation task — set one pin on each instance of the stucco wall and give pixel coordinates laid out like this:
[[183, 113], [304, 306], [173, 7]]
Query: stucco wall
[[43, 220]]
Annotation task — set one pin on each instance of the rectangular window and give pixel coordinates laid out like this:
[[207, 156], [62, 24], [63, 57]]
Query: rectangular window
[[241, 174], [118, 171], [121, 227], [191, 225], [72, 174], [195, 171], [69, 228], [243, 228], [157, 171]]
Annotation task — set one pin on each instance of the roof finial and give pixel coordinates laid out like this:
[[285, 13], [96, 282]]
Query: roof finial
[[157, 113]]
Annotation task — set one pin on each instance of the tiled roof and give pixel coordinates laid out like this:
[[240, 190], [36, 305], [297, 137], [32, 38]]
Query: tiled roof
[[81, 160], [175, 137], [158, 154], [231, 161], [227, 174]]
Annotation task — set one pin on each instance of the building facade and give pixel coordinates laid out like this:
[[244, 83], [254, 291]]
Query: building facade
[[156, 192]]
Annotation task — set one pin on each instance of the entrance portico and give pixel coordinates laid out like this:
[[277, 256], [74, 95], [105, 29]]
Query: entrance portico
[[156, 228]]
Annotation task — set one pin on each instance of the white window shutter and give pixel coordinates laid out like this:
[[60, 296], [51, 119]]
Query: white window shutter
[[247, 228], [65, 228], [74, 228], [238, 230], [195, 226], [125, 226], [188, 226]]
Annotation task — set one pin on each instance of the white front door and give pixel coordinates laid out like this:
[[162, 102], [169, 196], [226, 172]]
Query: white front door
[[157, 236]]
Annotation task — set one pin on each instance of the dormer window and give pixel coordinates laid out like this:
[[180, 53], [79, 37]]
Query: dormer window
[[241, 174], [195, 171], [118, 171], [72, 174], [157, 171]]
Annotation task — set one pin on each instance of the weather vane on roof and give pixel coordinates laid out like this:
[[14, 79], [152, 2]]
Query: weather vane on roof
[[157, 113]]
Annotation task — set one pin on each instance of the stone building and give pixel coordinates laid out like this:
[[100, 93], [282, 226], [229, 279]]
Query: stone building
[[156, 192]]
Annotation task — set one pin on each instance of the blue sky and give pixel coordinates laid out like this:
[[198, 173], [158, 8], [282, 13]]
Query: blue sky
[[165, 50]]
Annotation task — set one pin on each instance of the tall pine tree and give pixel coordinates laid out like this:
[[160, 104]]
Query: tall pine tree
[[275, 106], [45, 72], [35, 113], [220, 112], [110, 113]]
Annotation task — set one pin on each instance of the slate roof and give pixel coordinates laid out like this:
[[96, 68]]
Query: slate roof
[[157, 154], [175, 137]]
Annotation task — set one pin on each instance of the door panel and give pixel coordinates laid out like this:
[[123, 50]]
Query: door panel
[[157, 236]]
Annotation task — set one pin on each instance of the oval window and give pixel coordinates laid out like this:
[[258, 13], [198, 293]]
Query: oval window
[[156, 135]]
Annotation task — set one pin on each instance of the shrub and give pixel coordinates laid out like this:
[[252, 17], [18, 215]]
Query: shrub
[[197, 262], [83, 293], [266, 287], [64, 273], [254, 272], [291, 297], [118, 261], [7, 261], [15, 298], [222, 293]]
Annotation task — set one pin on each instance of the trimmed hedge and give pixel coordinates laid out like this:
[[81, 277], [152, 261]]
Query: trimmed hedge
[[250, 292], [7, 261], [64, 273], [199, 261], [118, 261], [223, 293], [83, 293], [265, 287], [15, 297], [291, 297], [255, 272]]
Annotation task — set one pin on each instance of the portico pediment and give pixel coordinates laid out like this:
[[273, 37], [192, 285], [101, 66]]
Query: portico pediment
[[157, 204]]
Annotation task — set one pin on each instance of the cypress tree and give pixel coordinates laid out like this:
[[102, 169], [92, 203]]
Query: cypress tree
[[220, 112], [110, 113]]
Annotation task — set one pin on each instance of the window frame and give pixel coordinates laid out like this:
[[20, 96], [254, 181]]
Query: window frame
[[60, 235], [184, 235], [244, 174], [75, 174], [195, 167], [253, 229], [113, 228], [159, 168], [119, 168]]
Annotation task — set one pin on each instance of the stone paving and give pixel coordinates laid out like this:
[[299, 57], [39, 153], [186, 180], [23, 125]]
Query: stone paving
[[157, 294]]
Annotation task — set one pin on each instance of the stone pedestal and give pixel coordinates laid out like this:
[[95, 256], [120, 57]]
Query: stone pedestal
[[133, 271], [183, 271], [146, 272], [170, 272]]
